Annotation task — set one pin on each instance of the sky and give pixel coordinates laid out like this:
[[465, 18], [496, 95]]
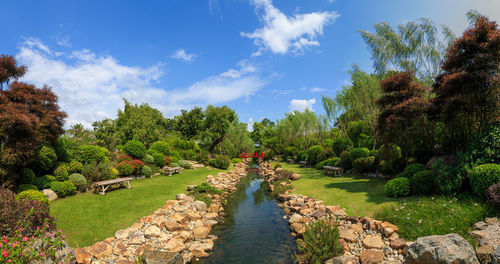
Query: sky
[[262, 58]]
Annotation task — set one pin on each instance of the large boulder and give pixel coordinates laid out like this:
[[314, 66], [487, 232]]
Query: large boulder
[[50, 194], [161, 257], [295, 177], [451, 248]]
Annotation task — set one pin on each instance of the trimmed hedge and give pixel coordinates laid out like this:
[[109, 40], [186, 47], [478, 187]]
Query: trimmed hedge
[[358, 153], [146, 171], [61, 172], [422, 182], [24, 187], [397, 187], [160, 147], [78, 180], [159, 159], [75, 166], [484, 176], [33, 195], [329, 162], [44, 181], [411, 169], [135, 149], [63, 188], [91, 153]]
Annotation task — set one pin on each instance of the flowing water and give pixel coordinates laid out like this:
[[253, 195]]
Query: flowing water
[[254, 230]]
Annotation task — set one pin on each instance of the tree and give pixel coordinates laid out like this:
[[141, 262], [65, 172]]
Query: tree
[[217, 123], [105, 133], [468, 91], [190, 124], [414, 45], [301, 129], [261, 130], [9, 70], [403, 117], [238, 140]]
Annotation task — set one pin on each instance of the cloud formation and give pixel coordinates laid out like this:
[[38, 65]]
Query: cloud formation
[[281, 34], [181, 54], [301, 105], [91, 87]]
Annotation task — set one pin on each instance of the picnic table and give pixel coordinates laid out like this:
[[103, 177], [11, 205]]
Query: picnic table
[[102, 186], [336, 171], [303, 163], [170, 171]]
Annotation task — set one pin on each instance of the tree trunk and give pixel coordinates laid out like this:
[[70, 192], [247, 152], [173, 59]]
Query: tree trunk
[[215, 143]]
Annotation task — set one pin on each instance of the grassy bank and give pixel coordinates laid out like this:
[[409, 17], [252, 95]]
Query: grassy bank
[[87, 218]]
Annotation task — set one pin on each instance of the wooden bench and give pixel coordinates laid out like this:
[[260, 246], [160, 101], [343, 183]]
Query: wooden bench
[[291, 161], [336, 171], [174, 170], [303, 163], [102, 186]]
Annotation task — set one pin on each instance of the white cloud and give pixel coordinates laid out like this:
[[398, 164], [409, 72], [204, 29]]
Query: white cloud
[[181, 54], [63, 41], [281, 34], [250, 124], [316, 90], [301, 105], [91, 87]]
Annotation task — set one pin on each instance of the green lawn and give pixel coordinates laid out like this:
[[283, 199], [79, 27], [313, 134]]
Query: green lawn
[[87, 218], [361, 196]]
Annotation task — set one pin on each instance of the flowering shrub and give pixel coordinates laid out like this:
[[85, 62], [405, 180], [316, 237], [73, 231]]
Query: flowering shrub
[[124, 158], [125, 168]]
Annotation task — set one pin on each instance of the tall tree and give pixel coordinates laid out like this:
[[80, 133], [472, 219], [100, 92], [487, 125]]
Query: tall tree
[[190, 123], [468, 90], [301, 129], [9, 70], [414, 45], [238, 140], [217, 123], [105, 133]]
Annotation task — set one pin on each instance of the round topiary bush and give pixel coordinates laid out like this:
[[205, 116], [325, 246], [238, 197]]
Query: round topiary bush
[[148, 159], [33, 195], [325, 154], [135, 149], [159, 159], [302, 155], [24, 187], [27, 176], [90, 153], [341, 144], [61, 172], [411, 169], [313, 153], [44, 181], [290, 152], [125, 168], [46, 158], [397, 187], [484, 176], [75, 166], [359, 164], [78, 180], [146, 171], [236, 160], [422, 182], [161, 147], [358, 153], [345, 161], [63, 188], [220, 162]]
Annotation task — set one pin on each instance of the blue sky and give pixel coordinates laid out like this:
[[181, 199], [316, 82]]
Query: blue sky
[[262, 58]]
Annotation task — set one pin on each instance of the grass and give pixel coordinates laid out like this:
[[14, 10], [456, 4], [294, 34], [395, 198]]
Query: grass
[[87, 218], [359, 195]]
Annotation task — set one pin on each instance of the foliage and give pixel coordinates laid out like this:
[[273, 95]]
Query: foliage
[[63, 189], [301, 129], [358, 153], [125, 168], [220, 162], [280, 189], [290, 152], [27, 175], [44, 181], [94, 172], [325, 154], [75, 166], [312, 154], [359, 132], [483, 176], [397, 187], [411, 169], [493, 195], [341, 144], [92, 153], [61, 172], [27, 213], [217, 123], [185, 165], [321, 242], [486, 147], [264, 134], [190, 123], [203, 193], [78, 180], [46, 158], [302, 155], [468, 89], [124, 158], [174, 164], [345, 160], [149, 159], [106, 134], [146, 171], [33, 195], [329, 162], [161, 147], [422, 182], [365, 164], [24, 187], [447, 179], [397, 165], [135, 149], [277, 165], [237, 141], [236, 160], [159, 159]]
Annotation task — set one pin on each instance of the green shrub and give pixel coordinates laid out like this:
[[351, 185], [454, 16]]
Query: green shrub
[[78, 180], [146, 171], [397, 187], [175, 154], [27, 175], [279, 189], [174, 164], [120, 147], [302, 155], [422, 182], [236, 160], [329, 162], [46, 158], [75, 166], [390, 151], [189, 154], [341, 144], [385, 167], [135, 149], [148, 159], [313, 153], [365, 164], [397, 165], [370, 164], [207, 188], [185, 165], [62, 149], [61, 172], [358, 153], [94, 172], [91, 153], [290, 152], [63, 189], [220, 162], [159, 159], [411, 169], [484, 176], [359, 164], [326, 154], [160, 147], [277, 165], [125, 168], [486, 148], [447, 179], [24, 187], [345, 161], [202, 157], [320, 243], [174, 159], [33, 195], [44, 181]]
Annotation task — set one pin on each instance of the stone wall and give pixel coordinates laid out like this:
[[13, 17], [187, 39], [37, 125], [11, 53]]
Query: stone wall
[[178, 232]]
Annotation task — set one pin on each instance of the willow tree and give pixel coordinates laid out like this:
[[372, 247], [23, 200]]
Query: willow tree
[[301, 129], [415, 46], [216, 125]]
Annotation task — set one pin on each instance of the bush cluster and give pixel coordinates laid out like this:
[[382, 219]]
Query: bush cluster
[[44, 181], [124, 158], [290, 152], [313, 153], [236, 160], [78, 180], [345, 161], [422, 182], [321, 242], [220, 162], [135, 149], [411, 169], [160, 147], [33, 195], [397, 187], [24, 187], [61, 172], [302, 155], [484, 176], [94, 172], [75, 166], [341, 144], [329, 162], [63, 189], [159, 159], [91, 153], [358, 153], [327, 153]]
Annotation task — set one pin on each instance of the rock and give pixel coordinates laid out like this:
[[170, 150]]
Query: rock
[[121, 234], [137, 240], [100, 250], [485, 253], [340, 213], [162, 257], [398, 243], [348, 235], [197, 251], [200, 206], [298, 228], [201, 232], [372, 256], [295, 177], [50, 194], [388, 229], [191, 188], [152, 231], [358, 228], [478, 234], [450, 248], [496, 256], [175, 245], [345, 259], [331, 209], [373, 241], [82, 256], [180, 197], [295, 218], [120, 249]]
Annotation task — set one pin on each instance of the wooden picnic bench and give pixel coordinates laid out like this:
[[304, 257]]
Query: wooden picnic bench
[[170, 171], [291, 161], [336, 171], [102, 186], [303, 163]]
